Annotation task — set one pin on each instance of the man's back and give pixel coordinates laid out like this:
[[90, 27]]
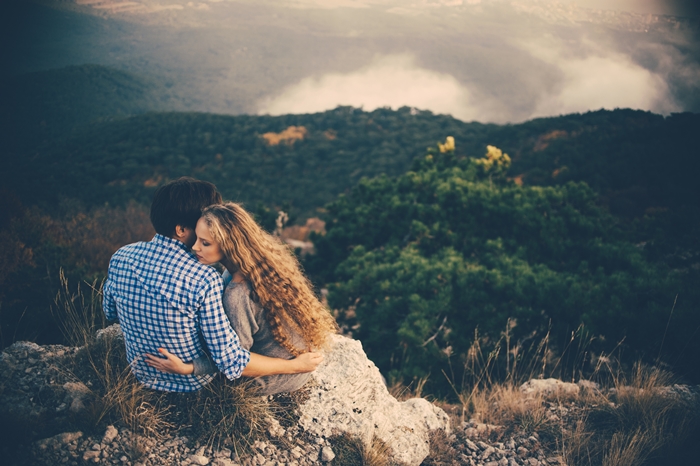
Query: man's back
[[163, 297]]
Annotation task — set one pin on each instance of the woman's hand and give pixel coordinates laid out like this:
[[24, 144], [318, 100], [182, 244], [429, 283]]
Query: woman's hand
[[171, 363], [307, 362]]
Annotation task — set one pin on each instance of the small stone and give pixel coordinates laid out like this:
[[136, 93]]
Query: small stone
[[471, 445], [532, 462], [221, 461], [327, 454], [110, 434], [199, 459], [488, 452], [91, 455], [522, 451], [96, 447]]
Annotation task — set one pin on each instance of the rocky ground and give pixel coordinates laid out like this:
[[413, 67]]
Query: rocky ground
[[42, 401]]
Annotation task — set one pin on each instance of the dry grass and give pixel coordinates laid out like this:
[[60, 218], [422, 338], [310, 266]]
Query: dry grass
[[403, 392], [79, 316], [226, 414], [630, 420], [354, 451], [101, 365], [635, 422]]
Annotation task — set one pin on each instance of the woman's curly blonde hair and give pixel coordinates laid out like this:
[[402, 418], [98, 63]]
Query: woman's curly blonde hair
[[275, 277]]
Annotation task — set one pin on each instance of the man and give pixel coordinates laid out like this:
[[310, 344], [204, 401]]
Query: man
[[163, 297]]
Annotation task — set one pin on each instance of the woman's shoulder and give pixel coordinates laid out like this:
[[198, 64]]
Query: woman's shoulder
[[239, 293], [238, 288]]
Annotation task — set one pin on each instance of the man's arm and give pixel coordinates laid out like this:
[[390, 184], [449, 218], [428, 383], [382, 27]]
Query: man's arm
[[258, 366], [224, 347]]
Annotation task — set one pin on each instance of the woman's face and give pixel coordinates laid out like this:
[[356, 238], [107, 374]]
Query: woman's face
[[207, 250]]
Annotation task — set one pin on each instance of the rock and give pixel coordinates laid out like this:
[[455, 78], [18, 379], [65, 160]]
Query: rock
[[91, 455], [350, 397], [111, 333], [487, 452], [199, 459], [58, 441], [587, 385], [327, 454], [110, 434], [76, 393], [547, 387], [223, 462]]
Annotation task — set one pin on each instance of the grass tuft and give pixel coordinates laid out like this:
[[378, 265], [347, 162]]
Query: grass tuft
[[354, 451]]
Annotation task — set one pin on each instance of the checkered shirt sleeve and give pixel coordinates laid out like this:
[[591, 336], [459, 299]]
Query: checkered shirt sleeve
[[164, 298]]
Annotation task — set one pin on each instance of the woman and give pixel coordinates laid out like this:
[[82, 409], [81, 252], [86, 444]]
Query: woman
[[268, 300]]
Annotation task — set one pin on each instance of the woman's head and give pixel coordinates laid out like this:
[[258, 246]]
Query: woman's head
[[272, 271], [239, 238]]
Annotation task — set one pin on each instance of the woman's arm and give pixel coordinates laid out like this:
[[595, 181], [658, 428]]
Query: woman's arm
[[258, 366]]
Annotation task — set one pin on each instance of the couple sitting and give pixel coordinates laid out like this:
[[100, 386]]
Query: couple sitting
[[169, 300]]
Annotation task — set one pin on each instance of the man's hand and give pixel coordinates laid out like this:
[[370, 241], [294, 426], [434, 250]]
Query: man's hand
[[308, 362], [171, 363]]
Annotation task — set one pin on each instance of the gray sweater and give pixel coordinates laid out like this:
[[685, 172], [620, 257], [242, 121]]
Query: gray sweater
[[248, 320]]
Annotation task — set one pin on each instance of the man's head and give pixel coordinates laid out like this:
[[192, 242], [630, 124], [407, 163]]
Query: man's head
[[177, 206]]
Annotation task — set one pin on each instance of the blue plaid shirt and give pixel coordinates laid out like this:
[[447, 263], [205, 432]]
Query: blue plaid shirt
[[163, 297]]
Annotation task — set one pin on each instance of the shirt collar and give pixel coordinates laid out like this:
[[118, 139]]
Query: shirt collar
[[158, 238]]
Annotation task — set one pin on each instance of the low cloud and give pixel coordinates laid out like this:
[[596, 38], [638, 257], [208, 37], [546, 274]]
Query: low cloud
[[389, 81], [599, 79]]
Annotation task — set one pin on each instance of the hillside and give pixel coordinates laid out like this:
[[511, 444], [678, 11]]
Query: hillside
[[624, 234]]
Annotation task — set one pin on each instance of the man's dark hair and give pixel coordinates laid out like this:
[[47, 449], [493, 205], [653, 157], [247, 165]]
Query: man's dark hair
[[180, 202]]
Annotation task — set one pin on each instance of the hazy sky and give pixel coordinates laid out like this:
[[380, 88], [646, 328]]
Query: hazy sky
[[548, 69], [659, 7], [485, 60]]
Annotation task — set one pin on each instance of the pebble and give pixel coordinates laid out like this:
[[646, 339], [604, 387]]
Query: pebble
[[327, 454], [110, 434]]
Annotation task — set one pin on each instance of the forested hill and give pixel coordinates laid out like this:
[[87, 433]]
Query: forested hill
[[635, 160]]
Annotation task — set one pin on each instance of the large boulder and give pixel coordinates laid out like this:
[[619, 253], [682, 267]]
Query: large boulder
[[350, 397]]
